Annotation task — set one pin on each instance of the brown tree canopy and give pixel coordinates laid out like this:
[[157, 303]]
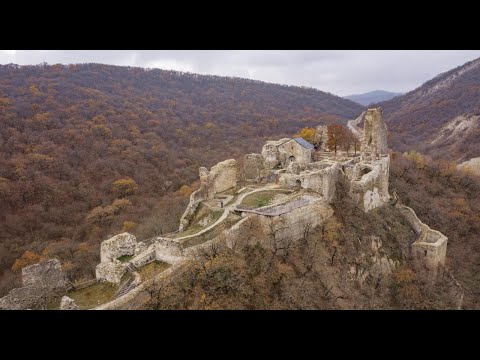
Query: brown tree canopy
[[339, 137]]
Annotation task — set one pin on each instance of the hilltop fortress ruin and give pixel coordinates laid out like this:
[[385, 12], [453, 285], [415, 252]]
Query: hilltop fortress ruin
[[282, 192]]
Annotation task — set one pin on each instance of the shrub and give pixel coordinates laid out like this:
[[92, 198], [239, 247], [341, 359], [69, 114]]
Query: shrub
[[124, 187]]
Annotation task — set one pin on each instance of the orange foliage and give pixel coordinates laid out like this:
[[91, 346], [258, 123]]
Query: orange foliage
[[27, 258]]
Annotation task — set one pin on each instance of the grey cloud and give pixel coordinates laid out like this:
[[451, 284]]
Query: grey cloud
[[341, 72]]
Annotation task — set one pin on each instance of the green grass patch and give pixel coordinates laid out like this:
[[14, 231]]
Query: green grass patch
[[125, 258], [54, 304], [152, 269], [94, 295], [260, 199], [216, 215]]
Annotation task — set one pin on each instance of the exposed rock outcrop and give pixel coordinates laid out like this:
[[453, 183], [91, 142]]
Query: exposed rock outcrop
[[322, 137], [221, 177], [374, 263], [111, 271], [253, 167], [472, 165], [41, 282], [270, 153], [68, 304], [47, 274], [27, 297]]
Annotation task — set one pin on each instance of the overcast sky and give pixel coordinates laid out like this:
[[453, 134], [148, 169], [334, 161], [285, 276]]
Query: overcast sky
[[341, 72]]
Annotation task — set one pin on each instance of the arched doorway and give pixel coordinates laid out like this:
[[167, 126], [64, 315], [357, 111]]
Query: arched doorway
[[299, 183], [291, 159]]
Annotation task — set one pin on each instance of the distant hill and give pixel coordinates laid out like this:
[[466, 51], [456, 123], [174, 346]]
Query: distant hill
[[372, 97], [67, 132], [441, 117]]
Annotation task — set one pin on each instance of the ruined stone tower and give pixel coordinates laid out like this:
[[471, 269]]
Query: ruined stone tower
[[375, 131]]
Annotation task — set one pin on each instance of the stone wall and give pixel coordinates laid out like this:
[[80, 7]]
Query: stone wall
[[411, 218], [168, 250], [137, 297], [253, 167], [322, 181], [370, 190], [27, 297], [145, 257], [237, 235], [110, 268], [47, 274], [375, 132], [189, 213], [270, 153], [111, 271], [430, 248], [41, 282], [293, 150], [117, 246], [277, 230], [322, 136], [221, 177], [292, 225]]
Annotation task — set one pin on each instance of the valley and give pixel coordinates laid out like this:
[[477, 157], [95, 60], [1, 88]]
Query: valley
[[216, 192]]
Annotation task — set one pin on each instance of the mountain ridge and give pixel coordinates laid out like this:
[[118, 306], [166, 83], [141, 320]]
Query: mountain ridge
[[371, 97], [423, 118]]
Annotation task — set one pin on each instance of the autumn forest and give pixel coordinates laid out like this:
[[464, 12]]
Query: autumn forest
[[91, 150]]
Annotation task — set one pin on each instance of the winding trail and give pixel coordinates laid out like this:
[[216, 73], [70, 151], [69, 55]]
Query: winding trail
[[228, 208], [353, 126]]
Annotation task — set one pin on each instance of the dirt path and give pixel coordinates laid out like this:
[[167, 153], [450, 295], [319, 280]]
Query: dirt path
[[228, 208], [353, 126]]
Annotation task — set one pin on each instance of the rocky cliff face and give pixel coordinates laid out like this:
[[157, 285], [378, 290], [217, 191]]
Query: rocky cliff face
[[440, 117]]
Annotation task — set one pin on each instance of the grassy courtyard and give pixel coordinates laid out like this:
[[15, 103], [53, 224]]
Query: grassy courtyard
[[260, 199], [94, 295]]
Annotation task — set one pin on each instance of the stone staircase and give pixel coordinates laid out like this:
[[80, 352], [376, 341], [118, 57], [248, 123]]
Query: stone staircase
[[131, 283]]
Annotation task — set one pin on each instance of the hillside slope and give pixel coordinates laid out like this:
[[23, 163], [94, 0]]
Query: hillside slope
[[441, 117], [67, 133], [372, 97], [355, 260]]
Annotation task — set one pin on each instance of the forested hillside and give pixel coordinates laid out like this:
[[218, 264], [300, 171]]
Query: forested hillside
[[440, 117], [90, 150], [447, 200]]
